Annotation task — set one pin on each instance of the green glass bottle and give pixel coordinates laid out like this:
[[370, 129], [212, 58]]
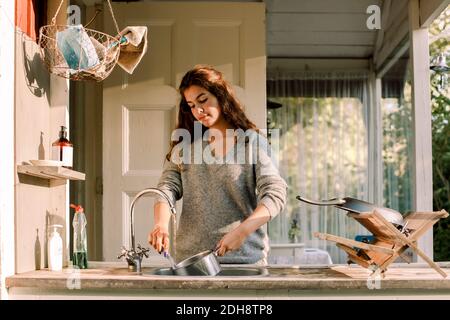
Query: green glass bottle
[[79, 223]]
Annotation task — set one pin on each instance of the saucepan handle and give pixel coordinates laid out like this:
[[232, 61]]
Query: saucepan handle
[[215, 250], [330, 202]]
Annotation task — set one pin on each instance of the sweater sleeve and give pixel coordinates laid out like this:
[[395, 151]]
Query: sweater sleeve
[[271, 187], [170, 183]]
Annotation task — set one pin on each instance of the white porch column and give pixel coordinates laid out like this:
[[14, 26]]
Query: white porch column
[[421, 105], [7, 170]]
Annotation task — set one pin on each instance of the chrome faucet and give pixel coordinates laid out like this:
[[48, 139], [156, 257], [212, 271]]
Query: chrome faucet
[[134, 256]]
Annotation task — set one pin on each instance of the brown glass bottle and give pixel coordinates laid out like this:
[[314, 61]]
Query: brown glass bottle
[[62, 149]]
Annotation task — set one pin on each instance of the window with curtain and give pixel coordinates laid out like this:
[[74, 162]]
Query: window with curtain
[[323, 143], [397, 136]]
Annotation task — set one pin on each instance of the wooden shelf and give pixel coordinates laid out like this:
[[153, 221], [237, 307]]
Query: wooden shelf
[[51, 172]]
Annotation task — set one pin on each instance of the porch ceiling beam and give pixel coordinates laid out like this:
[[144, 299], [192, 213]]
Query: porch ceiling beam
[[385, 67], [380, 34], [302, 64], [92, 2], [395, 31], [421, 118], [430, 10], [314, 6]]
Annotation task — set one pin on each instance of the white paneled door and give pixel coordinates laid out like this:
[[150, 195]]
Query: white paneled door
[[139, 111]]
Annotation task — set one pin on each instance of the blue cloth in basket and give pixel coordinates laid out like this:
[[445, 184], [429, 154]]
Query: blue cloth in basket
[[77, 48]]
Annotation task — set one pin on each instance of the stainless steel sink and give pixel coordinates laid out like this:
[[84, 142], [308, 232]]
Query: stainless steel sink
[[226, 272]]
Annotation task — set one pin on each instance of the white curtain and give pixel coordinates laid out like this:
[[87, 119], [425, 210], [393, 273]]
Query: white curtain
[[323, 143], [397, 137]]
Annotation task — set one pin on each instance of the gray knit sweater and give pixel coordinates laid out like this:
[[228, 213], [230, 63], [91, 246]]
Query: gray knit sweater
[[218, 197]]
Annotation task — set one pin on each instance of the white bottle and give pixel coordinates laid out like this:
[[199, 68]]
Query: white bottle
[[55, 249]]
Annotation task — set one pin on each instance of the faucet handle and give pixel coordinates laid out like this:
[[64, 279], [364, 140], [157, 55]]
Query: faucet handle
[[142, 251], [128, 254], [123, 253]]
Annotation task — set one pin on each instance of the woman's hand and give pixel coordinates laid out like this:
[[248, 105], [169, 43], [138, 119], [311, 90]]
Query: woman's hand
[[159, 238], [233, 240]]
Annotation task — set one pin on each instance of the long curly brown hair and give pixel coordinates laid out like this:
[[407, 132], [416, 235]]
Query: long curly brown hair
[[212, 80]]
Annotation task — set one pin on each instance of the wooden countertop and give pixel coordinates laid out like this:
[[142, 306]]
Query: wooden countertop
[[114, 276]]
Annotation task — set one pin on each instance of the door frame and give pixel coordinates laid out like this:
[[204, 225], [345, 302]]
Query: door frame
[[7, 161], [86, 122]]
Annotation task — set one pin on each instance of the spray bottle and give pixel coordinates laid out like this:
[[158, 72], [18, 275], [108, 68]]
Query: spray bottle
[[79, 237]]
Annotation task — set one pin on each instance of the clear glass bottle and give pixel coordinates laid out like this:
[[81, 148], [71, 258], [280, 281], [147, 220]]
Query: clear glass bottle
[[55, 249], [62, 149], [79, 223]]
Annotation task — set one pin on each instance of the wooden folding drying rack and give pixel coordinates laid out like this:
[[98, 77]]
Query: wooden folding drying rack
[[389, 242]]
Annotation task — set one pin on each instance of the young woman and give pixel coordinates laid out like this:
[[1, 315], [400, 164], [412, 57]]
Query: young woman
[[224, 173]]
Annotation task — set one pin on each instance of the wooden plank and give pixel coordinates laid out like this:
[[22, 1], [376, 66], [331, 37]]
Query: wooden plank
[[416, 220], [348, 242], [375, 225], [423, 255], [396, 255], [51, 172], [394, 247], [405, 258], [413, 281], [426, 230], [378, 257], [378, 225], [413, 246], [352, 255], [419, 232]]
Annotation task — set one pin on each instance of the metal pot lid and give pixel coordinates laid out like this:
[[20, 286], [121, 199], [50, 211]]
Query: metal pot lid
[[358, 206]]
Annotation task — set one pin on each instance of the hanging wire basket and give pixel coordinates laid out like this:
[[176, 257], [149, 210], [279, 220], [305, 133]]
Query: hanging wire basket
[[90, 55]]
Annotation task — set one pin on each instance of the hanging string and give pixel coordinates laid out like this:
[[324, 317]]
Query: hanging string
[[57, 12], [97, 11], [114, 18], [110, 9]]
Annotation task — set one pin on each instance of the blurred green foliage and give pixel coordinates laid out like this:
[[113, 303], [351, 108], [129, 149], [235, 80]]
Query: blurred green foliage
[[440, 98]]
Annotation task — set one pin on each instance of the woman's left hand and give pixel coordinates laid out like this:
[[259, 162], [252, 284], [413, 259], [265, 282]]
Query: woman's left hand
[[234, 239], [230, 242]]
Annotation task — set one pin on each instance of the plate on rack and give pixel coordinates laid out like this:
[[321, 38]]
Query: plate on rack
[[47, 163]]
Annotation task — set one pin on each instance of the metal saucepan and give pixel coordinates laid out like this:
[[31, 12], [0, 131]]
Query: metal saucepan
[[359, 206], [202, 264]]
